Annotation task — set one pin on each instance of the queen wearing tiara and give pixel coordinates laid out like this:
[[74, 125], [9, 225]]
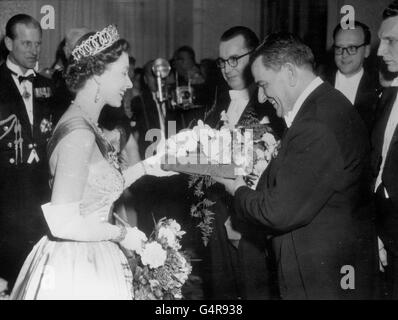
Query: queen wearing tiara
[[81, 257]]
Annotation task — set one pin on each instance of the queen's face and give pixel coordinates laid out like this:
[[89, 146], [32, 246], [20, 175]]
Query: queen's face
[[115, 81]]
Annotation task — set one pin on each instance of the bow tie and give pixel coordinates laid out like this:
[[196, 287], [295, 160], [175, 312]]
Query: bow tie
[[27, 78], [23, 78]]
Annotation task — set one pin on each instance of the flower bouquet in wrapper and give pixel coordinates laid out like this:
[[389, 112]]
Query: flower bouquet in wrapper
[[161, 269], [204, 153], [208, 152]]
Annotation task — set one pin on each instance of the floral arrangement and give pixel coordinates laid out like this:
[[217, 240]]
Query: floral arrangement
[[161, 269], [203, 152], [254, 159]]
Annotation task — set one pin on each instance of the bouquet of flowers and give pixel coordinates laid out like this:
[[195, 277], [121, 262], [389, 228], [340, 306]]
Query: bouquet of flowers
[[230, 151], [208, 152], [161, 269]]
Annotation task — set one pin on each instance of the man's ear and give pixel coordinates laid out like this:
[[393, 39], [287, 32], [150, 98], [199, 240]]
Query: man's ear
[[367, 50], [8, 43], [291, 72]]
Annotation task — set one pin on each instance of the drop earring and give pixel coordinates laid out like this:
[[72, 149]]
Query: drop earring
[[97, 94]]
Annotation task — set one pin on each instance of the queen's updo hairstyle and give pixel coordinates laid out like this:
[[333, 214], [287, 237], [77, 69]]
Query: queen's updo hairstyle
[[79, 71]]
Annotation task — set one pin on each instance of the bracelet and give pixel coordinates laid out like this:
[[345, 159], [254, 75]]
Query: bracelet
[[122, 235]]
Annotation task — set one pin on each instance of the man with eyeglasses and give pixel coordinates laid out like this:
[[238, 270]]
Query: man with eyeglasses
[[351, 48], [238, 266], [25, 126]]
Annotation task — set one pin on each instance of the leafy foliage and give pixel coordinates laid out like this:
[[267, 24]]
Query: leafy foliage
[[200, 209]]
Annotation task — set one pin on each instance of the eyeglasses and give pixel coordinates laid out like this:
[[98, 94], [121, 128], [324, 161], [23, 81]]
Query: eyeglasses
[[232, 61], [351, 50]]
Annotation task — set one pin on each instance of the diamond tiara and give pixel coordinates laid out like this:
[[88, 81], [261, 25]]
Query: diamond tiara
[[96, 43]]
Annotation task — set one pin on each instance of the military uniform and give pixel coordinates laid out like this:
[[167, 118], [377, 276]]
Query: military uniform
[[24, 184]]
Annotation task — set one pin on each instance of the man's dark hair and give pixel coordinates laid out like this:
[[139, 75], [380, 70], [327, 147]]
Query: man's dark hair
[[391, 10], [364, 27], [249, 36], [188, 50], [280, 48], [20, 19]]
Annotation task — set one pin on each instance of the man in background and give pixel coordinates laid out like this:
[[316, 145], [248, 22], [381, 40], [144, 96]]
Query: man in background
[[25, 127], [351, 48]]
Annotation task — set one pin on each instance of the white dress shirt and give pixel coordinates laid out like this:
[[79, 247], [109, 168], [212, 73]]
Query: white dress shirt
[[388, 134], [348, 85], [289, 117], [239, 101], [25, 87]]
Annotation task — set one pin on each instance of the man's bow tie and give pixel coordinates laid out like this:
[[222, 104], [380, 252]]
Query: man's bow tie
[[23, 78], [28, 78]]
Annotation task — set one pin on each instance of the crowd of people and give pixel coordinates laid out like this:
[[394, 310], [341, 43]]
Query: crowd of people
[[321, 223]]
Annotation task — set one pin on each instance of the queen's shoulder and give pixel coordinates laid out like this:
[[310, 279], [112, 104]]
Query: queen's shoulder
[[75, 129]]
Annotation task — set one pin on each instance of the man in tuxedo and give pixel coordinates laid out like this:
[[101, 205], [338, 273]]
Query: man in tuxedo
[[25, 127], [237, 252], [312, 198], [385, 152], [351, 48]]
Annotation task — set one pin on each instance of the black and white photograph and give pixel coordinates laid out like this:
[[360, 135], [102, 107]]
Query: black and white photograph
[[202, 151]]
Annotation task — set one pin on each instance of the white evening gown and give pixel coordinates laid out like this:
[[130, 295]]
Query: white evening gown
[[61, 269]]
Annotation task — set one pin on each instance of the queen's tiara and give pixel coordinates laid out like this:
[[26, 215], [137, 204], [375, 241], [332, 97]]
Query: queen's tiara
[[96, 43]]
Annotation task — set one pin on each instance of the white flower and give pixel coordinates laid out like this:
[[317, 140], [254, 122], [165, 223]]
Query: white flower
[[174, 225], [181, 143], [153, 255], [217, 146], [169, 235]]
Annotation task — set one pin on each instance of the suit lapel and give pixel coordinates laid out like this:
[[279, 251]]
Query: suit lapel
[[361, 88], [385, 106]]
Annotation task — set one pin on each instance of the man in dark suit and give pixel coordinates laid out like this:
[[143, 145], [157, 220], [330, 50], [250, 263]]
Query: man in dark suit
[[237, 252], [351, 48], [385, 152], [312, 197], [25, 117]]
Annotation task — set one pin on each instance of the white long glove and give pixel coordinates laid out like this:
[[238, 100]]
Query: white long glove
[[66, 222], [134, 240], [150, 166]]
